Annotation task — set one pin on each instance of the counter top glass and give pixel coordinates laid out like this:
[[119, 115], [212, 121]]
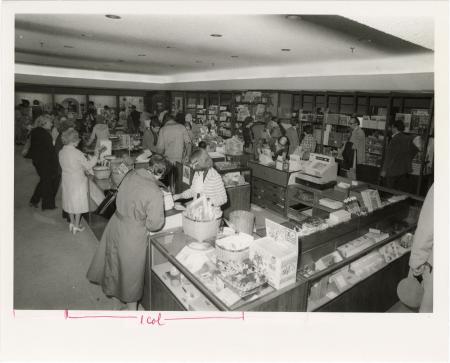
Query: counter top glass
[[173, 245]]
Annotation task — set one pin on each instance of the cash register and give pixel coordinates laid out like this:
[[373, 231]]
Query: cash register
[[320, 172]]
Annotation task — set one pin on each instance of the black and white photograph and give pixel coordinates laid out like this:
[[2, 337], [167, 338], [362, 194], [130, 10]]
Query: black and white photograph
[[265, 161]]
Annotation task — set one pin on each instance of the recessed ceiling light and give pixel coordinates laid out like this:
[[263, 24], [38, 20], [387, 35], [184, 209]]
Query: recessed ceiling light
[[285, 50], [142, 55], [293, 17], [20, 36], [216, 35], [69, 46], [365, 40], [110, 16], [234, 56]]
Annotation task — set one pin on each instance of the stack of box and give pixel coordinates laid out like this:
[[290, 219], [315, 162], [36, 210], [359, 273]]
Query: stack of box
[[278, 260]]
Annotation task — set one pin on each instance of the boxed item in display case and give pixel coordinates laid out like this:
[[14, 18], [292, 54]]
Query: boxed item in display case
[[277, 259]]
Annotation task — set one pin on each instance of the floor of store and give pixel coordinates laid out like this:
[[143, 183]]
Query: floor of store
[[50, 263]]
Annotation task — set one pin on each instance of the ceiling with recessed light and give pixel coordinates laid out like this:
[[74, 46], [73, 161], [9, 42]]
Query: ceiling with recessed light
[[172, 49]]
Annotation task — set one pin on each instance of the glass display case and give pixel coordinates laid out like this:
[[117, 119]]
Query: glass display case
[[177, 283]]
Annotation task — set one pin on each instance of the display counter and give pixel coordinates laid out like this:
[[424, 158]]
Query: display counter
[[353, 266], [270, 187], [236, 180]]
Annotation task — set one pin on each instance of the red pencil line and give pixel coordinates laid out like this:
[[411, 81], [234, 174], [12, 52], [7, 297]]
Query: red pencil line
[[208, 317], [102, 316]]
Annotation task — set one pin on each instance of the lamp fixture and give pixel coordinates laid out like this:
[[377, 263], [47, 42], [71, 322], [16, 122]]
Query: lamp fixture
[[69, 46], [142, 55], [111, 16], [285, 50], [234, 56], [215, 35]]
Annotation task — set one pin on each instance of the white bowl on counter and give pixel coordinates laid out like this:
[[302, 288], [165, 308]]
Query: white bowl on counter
[[101, 172]]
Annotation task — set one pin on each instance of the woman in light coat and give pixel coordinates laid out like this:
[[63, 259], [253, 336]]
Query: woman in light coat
[[99, 132], [119, 263], [421, 258], [74, 165]]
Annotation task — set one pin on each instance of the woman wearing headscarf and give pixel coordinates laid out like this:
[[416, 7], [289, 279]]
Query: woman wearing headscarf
[[42, 153], [119, 263], [74, 166]]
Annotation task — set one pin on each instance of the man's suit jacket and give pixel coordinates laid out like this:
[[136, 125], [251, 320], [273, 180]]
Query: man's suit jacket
[[399, 154]]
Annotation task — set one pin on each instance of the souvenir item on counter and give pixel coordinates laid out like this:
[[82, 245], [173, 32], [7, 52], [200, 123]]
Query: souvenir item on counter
[[371, 199], [276, 259], [243, 277], [339, 216], [368, 264], [201, 220], [311, 225], [195, 257], [357, 245], [201, 210], [390, 251], [327, 261], [330, 203], [233, 248], [352, 206]]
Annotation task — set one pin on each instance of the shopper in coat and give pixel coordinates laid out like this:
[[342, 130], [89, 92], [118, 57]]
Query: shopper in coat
[[399, 155], [173, 141], [119, 263], [150, 136], [74, 166], [292, 135], [421, 258], [358, 140], [42, 153]]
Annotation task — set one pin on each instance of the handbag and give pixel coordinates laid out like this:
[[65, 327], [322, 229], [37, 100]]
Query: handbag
[[108, 206]]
